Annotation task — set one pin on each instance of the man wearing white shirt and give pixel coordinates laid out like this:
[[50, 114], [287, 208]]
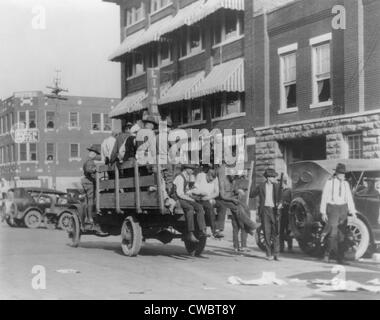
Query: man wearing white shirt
[[107, 147], [336, 204]]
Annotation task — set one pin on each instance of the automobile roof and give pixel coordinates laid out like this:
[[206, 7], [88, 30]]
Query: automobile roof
[[352, 165]]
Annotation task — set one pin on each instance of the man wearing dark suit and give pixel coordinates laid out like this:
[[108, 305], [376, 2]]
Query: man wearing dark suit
[[269, 205]]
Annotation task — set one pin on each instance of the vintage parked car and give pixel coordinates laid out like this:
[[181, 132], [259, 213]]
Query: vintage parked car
[[27, 206], [308, 179]]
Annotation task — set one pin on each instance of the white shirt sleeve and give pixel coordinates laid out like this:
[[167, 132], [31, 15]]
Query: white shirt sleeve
[[350, 200], [325, 194]]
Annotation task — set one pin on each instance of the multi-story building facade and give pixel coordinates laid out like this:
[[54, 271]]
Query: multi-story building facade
[[65, 129], [315, 79], [304, 74]]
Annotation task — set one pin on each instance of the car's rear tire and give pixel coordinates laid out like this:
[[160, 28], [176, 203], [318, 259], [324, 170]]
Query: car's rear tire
[[64, 221], [33, 219], [131, 237], [358, 238], [74, 231]]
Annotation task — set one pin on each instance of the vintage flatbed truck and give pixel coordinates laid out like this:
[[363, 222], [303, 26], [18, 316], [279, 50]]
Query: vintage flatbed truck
[[126, 206]]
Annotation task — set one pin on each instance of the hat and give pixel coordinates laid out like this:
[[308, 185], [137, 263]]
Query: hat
[[189, 166], [151, 119], [340, 168], [270, 173], [129, 124], [94, 148]]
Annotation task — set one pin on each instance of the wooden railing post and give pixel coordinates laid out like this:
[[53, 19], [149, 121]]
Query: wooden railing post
[[159, 188], [137, 187], [97, 189], [117, 191]]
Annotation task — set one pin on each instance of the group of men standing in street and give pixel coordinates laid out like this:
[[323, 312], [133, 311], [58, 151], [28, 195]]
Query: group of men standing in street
[[206, 192]]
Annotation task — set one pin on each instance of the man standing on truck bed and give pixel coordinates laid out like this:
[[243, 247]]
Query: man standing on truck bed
[[89, 180], [336, 203]]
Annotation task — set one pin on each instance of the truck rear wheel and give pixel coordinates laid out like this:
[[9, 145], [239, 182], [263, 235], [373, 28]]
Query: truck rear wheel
[[131, 237]]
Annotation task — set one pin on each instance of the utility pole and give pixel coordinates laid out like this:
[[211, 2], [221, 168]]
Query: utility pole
[[56, 95]]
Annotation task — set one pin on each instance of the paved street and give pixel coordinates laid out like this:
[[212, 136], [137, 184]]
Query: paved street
[[159, 272]]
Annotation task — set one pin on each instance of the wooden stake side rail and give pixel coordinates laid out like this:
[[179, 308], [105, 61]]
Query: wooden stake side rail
[[116, 195]]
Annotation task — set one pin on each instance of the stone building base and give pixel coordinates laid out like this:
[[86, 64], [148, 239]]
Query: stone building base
[[269, 140]]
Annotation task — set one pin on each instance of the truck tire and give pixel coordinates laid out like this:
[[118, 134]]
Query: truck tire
[[131, 237], [195, 249]]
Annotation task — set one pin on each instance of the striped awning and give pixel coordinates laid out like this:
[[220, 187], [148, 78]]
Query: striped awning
[[140, 38], [130, 103], [211, 6], [181, 18], [136, 101], [183, 89], [228, 76]]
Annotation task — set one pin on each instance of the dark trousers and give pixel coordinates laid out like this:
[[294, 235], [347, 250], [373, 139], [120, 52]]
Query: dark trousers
[[216, 221], [285, 229], [240, 220], [269, 220], [190, 209], [335, 230], [89, 189]]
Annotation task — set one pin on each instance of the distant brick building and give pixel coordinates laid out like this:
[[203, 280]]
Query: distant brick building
[[314, 90], [65, 130]]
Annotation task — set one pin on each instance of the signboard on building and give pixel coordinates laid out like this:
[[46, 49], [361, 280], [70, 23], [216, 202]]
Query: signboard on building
[[32, 183], [20, 134], [153, 75]]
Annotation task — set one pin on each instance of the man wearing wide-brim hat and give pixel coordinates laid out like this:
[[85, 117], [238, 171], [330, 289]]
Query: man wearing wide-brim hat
[[88, 181], [336, 204], [269, 205]]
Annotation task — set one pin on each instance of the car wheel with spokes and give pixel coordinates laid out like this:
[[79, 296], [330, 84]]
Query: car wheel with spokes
[[358, 239], [33, 219], [64, 221]]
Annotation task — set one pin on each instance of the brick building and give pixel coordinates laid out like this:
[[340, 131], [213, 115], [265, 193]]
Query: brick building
[[314, 89], [310, 91], [65, 129]]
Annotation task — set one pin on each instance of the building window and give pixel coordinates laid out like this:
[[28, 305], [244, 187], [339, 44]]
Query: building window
[[74, 150], [322, 75], [196, 110], [134, 15], [321, 70], [32, 119], [158, 4], [74, 120], [1, 125], [28, 152], [50, 119], [50, 151], [191, 41], [165, 53], [288, 78], [106, 122], [12, 153], [96, 121], [354, 146], [22, 118], [227, 25], [226, 104], [100, 122], [135, 65], [1, 155]]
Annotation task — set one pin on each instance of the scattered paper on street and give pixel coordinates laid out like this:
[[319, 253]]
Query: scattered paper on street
[[375, 282], [346, 286], [267, 278]]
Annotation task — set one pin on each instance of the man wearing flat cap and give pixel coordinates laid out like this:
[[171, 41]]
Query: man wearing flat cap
[[269, 204], [336, 204], [88, 181]]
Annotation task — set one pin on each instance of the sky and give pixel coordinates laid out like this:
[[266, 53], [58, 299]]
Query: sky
[[38, 37]]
